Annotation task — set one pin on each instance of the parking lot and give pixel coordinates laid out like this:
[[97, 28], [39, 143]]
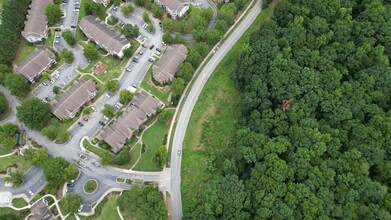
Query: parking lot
[[64, 75]]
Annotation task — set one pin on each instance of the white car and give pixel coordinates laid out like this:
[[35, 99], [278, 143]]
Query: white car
[[31, 192], [57, 41], [80, 208], [94, 109], [128, 70], [108, 95], [105, 117], [179, 152]]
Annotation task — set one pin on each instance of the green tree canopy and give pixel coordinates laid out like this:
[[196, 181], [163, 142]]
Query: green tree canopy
[[125, 95], [91, 52], [34, 113], [53, 13], [111, 85], [57, 170], [71, 203], [69, 38], [108, 110]]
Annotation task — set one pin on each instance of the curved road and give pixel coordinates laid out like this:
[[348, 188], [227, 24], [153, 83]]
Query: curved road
[[180, 130]]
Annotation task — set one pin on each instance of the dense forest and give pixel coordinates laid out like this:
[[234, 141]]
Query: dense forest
[[314, 139]]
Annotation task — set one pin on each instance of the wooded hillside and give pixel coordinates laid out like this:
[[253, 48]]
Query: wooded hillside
[[314, 141]]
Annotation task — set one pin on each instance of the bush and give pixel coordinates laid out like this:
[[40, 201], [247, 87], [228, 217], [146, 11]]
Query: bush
[[69, 38], [90, 186], [112, 20], [127, 9]]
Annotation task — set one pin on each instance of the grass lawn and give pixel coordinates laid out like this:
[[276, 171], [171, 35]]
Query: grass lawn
[[19, 202], [212, 122], [2, 3], [6, 114], [161, 93], [50, 40], [187, 23], [114, 67], [153, 138], [106, 210], [25, 51], [134, 154], [8, 213], [23, 163]]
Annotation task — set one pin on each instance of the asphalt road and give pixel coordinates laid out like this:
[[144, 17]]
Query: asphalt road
[[180, 130]]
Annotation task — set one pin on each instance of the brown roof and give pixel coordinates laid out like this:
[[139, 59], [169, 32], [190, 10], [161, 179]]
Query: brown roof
[[36, 18], [103, 34], [37, 62], [76, 96], [40, 211], [116, 134], [174, 5], [146, 103], [164, 70], [134, 115]]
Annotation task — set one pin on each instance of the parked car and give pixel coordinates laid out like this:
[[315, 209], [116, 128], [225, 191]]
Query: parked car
[[158, 50], [151, 47], [47, 99], [128, 70], [57, 42], [101, 123], [85, 119], [70, 184], [94, 109], [31, 192], [80, 208], [108, 95], [140, 52], [44, 100], [151, 59], [122, 102], [135, 60], [79, 123], [57, 29], [160, 23], [106, 118], [68, 190], [179, 152], [73, 26]]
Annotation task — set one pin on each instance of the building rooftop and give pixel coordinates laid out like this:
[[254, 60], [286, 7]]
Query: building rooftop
[[164, 70], [36, 22], [33, 65], [103, 34]]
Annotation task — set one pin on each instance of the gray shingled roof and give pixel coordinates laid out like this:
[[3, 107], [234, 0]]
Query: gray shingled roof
[[34, 64], [103, 34], [164, 70], [36, 22], [174, 5], [40, 211], [76, 96], [134, 115]]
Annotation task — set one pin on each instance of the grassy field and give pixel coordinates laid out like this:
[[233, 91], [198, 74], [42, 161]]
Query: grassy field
[[161, 93], [212, 122], [134, 154], [114, 67], [107, 210], [50, 40], [19, 202], [23, 163], [25, 51], [8, 213], [153, 139]]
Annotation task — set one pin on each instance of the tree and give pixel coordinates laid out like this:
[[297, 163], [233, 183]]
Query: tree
[[16, 178], [56, 89], [3, 104], [125, 95], [179, 38], [130, 31], [128, 52], [127, 9], [146, 17], [67, 55], [167, 38], [160, 156], [139, 2], [8, 133], [143, 202], [38, 157], [91, 52], [71, 203], [87, 111], [108, 110], [116, 2], [111, 85], [157, 10], [34, 113], [53, 13], [194, 58], [167, 25], [165, 116], [186, 71], [50, 132], [57, 170], [69, 38], [178, 85], [17, 85], [213, 36], [112, 20], [124, 156]]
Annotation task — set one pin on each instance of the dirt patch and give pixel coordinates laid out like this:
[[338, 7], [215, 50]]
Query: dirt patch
[[168, 205], [164, 88], [99, 68]]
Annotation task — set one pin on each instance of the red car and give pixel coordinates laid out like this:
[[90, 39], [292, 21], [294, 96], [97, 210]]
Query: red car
[[85, 119]]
